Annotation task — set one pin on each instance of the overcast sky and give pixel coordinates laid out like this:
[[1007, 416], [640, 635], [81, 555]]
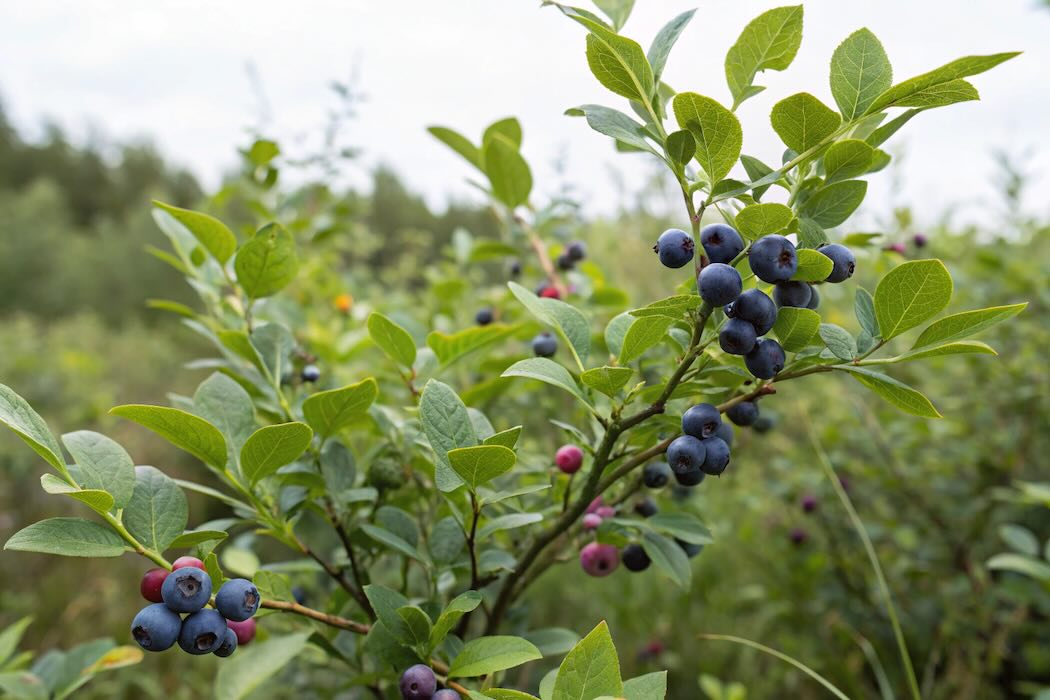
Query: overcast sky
[[175, 73]]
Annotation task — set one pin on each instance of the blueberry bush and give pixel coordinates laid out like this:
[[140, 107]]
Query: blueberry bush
[[433, 459]]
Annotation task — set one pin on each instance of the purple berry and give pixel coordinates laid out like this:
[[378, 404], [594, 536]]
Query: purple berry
[[599, 559], [418, 683], [634, 558], [809, 503]]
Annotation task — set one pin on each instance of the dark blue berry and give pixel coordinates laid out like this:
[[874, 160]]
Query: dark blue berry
[[721, 242], [675, 248], [576, 251], [725, 431], [202, 632], [755, 306], [716, 456], [484, 317], [514, 268], [545, 345], [685, 453], [635, 558], [311, 373], [237, 599], [766, 359], [796, 294], [842, 259], [744, 413], [764, 424], [446, 694], [814, 298], [564, 262], [728, 311], [719, 284], [773, 258], [737, 336], [646, 508], [418, 683], [229, 644], [701, 420], [690, 478], [655, 475], [186, 590], [299, 593], [155, 627], [690, 549]]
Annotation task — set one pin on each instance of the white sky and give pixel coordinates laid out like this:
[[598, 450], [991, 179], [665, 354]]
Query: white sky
[[175, 72]]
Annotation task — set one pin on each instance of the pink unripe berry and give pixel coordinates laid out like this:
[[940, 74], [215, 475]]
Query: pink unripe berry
[[591, 521], [896, 248], [597, 503], [606, 512], [569, 458], [245, 630], [183, 562], [599, 559]]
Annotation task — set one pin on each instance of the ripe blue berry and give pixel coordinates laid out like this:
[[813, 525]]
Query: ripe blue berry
[[237, 599], [418, 683], [717, 456], [484, 317], [311, 373], [229, 644], [814, 298], [842, 259], [766, 359], [155, 627], [798, 536], [721, 242], [773, 258], [646, 508], [675, 248], [920, 240], [737, 336], [565, 262], [744, 413], [764, 424], [690, 549], [719, 284], [797, 294], [514, 269], [544, 345], [685, 454], [755, 306], [446, 694], [576, 251], [202, 632], [690, 478], [186, 590], [725, 431], [634, 558], [655, 475], [701, 420]]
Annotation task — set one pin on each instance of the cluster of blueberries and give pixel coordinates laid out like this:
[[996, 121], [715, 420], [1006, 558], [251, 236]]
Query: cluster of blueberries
[[419, 683], [751, 314], [186, 589]]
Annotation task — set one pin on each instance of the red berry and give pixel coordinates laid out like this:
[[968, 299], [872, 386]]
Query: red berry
[[569, 458], [245, 630], [184, 562], [550, 292], [151, 583]]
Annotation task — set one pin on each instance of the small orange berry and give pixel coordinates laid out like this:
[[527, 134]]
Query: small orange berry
[[344, 302]]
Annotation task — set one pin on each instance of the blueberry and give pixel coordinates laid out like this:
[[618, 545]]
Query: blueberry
[[773, 258], [766, 359], [755, 306], [646, 508], [728, 310], [920, 240], [569, 458], [545, 345], [514, 269], [764, 424], [300, 595], [814, 299], [843, 261], [635, 558], [576, 251], [690, 478], [245, 631], [675, 248], [721, 242], [202, 632], [725, 431], [690, 549], [798, 536], [311, 373], [719, 284], [418, 683], [701, 420], [229, 644], [744, 413], [655, 475], [809, 503], [685, 453], [737, 336], [156, 628], [446, 694], [237, 599], [484, 317], [795, 294], [599, 559], [151, 583], [564, 262], [186, 590], [717, 458]]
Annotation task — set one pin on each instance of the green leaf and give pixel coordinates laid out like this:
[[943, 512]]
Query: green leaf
[[101, 464], [507, 171], [810, 235], [794, 327], [961, 347], [756, 220], [864, 307], [941, 95], [643, 334], [157, 512], [19, 416], [507, 694], [965, 324], [96, 499], [267, 263], [910, 294], [896, 393], [669, 558], [68, 537], [225, 404], [680, 146], [860, 72], [327, 412], [184, 430], [447, 426], [570, 323], [451, 347], [418, 623], [664, 42], [509, 128], [547, 371], [1020, 539], [394, 542], [617, 62], [251, 667], [457, 608], [813, 266], [1020, 565], [392, 339], [616, 10], [715, 129], [802, 121], [212, 234], [899, 94], [553, 641], [846, 159], [10, 637], [485, 250], [756, 170], [682, 526], [458, 143], [672, 307], [651, 686], [270, 448], [274, 343], [834, 203], [510, 521], [616, 330], [481, 463], [608, 380], [768, 42], [192, 538], [617, 125], [485, 655], [839, 341], [508, 438], [590, 670]]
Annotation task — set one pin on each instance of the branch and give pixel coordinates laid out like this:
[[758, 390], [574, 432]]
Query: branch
[[330, 620]]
